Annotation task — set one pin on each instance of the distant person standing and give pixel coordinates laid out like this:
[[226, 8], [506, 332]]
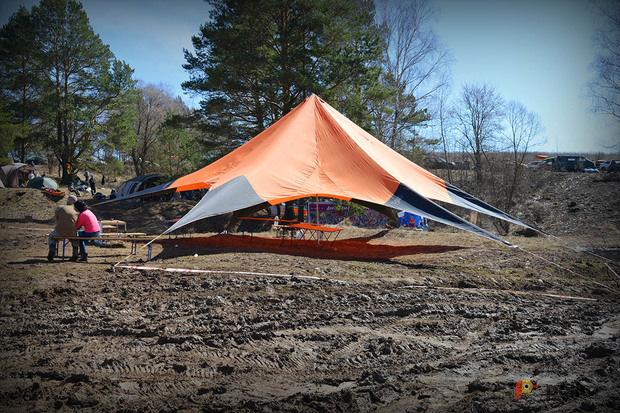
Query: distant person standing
[[93, 184], [88, 220], [72, 188], [102, 180], [86, 176], [66, 217]]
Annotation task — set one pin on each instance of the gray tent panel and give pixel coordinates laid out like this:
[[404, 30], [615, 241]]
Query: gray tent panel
[[408, 200], [233, 195]]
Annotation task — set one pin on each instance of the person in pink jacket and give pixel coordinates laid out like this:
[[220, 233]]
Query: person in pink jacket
[[88, 220]]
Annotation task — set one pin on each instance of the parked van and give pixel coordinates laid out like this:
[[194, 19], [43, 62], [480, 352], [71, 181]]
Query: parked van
[[567, 163], [610, 166]]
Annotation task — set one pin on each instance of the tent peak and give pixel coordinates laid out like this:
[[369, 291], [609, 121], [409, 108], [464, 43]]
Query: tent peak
[[315, 96]]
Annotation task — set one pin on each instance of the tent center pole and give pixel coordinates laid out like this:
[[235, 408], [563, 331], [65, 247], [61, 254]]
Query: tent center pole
[[317, 210], [318, 237]]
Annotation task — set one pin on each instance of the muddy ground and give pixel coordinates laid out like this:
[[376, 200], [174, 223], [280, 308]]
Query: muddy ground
[[388, 321]]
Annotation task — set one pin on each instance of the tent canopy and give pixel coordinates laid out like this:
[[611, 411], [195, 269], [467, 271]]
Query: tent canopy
[[13, 173], [41, 182], [138, 183], [313, 151]]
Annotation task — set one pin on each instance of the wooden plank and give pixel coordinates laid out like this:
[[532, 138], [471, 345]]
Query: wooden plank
[[127, 239], [315, 227], [113, 224], [122, 234], [268, 219]]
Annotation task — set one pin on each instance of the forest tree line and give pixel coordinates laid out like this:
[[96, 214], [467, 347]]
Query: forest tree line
[[66, 96]]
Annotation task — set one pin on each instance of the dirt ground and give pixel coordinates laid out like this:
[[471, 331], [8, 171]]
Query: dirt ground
[[388, 321]]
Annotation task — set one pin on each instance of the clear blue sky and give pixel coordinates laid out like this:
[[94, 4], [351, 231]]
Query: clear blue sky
[[536, 52], [147, 34]]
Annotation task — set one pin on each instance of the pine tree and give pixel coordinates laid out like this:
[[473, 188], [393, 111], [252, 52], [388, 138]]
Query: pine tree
[[20, 84], [72, 75], [255, 61]]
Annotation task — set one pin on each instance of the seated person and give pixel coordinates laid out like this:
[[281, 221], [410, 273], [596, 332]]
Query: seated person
[[88, 220], [66, 219]]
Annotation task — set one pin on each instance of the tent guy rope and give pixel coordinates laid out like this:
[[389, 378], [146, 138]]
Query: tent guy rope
[[570, 247], [565, 269], [494, 290], [193, 271], [141, 248], [308, 277]]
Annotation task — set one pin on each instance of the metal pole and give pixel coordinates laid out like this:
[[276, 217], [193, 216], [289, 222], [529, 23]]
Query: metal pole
[[317, 209], [318, 234]]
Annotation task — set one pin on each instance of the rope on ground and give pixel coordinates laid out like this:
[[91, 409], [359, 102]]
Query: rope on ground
[[567, 245], [569, 297], [481, 290], [192, 271], [486, 290], [612, 270], [565, 269], [142, 247]]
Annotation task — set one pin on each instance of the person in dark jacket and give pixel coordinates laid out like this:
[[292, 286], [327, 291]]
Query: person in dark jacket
[[93, 185], [66, 217]]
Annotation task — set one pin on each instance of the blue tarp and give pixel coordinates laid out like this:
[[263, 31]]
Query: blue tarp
[[407, 219]]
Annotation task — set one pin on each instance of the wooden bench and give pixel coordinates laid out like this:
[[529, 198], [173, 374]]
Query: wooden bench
[[134, 240], [113, 235], [276, 225], [113, 225], [317, 233]]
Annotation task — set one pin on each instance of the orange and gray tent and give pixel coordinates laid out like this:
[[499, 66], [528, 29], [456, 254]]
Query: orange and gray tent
[[315, 151]]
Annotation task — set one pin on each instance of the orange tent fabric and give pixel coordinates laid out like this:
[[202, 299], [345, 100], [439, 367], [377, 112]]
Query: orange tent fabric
[[314, 150]]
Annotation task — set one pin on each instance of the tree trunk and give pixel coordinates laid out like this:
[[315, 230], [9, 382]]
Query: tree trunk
[[300, 210]]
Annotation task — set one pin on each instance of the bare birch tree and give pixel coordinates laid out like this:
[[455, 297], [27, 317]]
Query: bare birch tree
[[478, 115], [604, 89], [444, 125], [415, 63], [153, 107], [522, 134]]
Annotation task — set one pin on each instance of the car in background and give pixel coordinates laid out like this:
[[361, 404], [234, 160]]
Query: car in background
[[547, 163], [36, 160], [610, 166], [533, 164], [438, 163], [462, 165], [571, 163]]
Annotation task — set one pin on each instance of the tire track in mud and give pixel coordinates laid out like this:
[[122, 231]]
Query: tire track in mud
[[188, 341]]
